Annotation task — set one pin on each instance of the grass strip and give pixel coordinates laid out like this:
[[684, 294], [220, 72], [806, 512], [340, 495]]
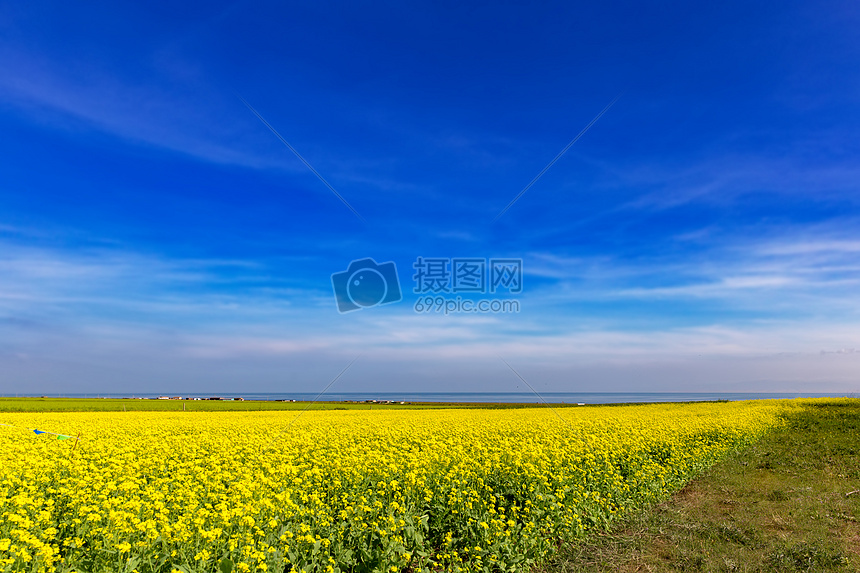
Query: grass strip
[[788, 503]]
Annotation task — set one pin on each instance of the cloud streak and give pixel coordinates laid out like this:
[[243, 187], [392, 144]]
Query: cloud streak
[[199, 120]]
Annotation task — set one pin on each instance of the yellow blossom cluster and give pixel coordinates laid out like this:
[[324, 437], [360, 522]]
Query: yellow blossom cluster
[[388, 490]]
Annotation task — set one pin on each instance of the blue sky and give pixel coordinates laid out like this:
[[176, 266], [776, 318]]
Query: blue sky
[[702, 235]]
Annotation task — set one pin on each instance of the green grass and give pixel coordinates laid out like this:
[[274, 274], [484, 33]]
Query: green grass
[[780, 505]]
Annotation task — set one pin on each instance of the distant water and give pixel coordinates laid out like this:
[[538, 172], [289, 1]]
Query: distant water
[[491, 397]]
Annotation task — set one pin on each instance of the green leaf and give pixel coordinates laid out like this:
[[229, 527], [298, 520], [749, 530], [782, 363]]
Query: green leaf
[[226, 566]]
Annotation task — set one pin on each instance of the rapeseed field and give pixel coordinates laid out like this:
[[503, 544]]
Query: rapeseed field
[[326, 491]]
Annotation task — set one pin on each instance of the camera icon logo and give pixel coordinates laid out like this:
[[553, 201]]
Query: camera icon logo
[[365, 284]]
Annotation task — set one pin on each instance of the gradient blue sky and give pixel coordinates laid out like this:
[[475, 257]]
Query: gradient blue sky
[[702, 236]]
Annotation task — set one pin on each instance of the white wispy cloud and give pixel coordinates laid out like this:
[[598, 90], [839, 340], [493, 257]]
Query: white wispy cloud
[[810, 247], [180, 114], [814, 269], [115, 307], [722, 179]]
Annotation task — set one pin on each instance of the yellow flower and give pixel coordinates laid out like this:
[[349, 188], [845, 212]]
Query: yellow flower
[[197, 486]]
